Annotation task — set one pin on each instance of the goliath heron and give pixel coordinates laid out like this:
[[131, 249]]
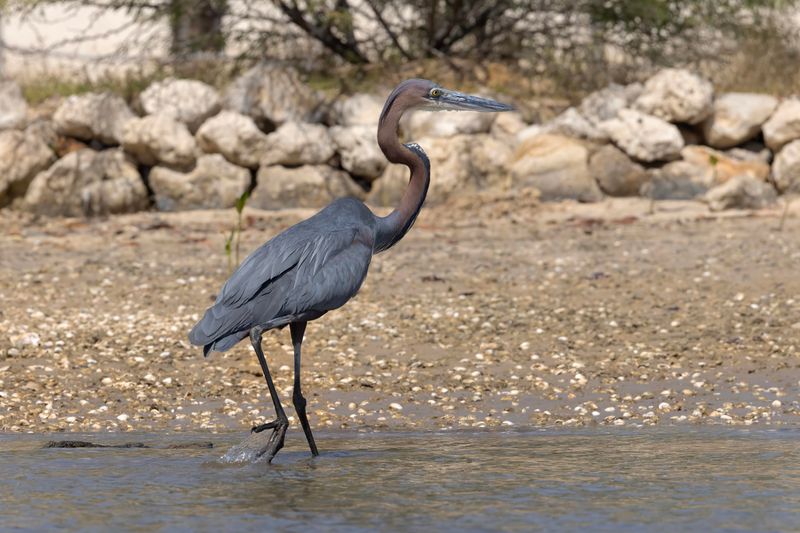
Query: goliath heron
[[320, 263]]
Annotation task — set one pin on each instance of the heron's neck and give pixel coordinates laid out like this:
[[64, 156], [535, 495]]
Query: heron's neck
[[396, 224]]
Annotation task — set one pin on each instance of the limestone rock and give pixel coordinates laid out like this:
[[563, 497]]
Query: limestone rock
[[358, 110], [507, 125], [678, 180], [615, 173], [644, 137], [298, 143], [307, 186], [93, 116], [214, 183], [490, 158], [88, 183], [13, 107], [422, 124], [272, 94], [452, 170], [359, 151], [187, 101], [784, 125], [23, 154], [157, 139], [737, 118], [676, 95], [786, 169], [233, 135], [722, 166], [604, 104], [558, 166], [741, 192], [572, 124]]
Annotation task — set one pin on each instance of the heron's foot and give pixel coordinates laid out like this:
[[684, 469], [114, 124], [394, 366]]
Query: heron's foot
[[275, 442], [261, 427]]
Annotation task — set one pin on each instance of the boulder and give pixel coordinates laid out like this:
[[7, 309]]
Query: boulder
[[358, 110], [784, 125], [214, 183], [604, 104], [507, 125], [88, 183], [678, 180], [307, 186], [786, 169], [644, 137], [722, 166], [157, 139], [737, 118], [615, 173], [452, 169], [529, 132], [298, 143], [358, 151], [557, 166], [23, 154], [272, 94], [490, 157], [422, 124], [93, 116], [13, 107], [233, 135], [676, 95], [187, 101], [572, 124], [741, 192]]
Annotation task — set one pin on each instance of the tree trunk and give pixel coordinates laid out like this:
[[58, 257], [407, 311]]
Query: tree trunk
[[196, 26]]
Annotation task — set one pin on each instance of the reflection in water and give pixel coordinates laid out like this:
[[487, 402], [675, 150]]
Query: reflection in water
[[661, 480]]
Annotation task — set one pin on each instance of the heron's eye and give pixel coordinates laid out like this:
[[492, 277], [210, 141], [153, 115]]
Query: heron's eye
[[436, 93]]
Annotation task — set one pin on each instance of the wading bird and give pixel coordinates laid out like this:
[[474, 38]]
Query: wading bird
[[320, 263]]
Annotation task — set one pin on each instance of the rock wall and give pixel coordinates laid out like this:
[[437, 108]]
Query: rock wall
[[671, 137]]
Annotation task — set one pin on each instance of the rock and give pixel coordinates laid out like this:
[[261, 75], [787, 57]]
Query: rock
[[723, 167], [213, 183], [615, 173], [272, 94], [644, 137], [156, 139], [452, 169], [752, 151], [737, 118], [529, 132], [786, 168], [13, 107], [86, 182], [784, 125], [359, 151], [358, 110], [187, 101], [572, 124], [422, 124], [23, 154], [233, 135], [490, 158], [507, 125], [298, 143], [93, 116], [307, 186], [604, 104], [45, 130], [676, 95], [558, 166], [741, 192], [679, 180]]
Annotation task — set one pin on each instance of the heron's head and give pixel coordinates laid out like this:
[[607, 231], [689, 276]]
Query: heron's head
[[430, 96]]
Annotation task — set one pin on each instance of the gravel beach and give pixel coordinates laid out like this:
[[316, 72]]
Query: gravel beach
[[492, 312]]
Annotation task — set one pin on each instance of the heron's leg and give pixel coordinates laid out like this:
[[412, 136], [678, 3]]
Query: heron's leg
[[298, 329], [278, 426]]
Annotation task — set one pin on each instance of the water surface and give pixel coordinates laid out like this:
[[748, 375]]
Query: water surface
[[659, 480]]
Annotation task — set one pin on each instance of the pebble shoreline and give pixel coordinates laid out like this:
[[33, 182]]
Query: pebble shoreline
[[548, 316]]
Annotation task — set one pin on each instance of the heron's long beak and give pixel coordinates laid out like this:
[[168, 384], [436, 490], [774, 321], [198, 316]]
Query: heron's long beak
[[455, 101]]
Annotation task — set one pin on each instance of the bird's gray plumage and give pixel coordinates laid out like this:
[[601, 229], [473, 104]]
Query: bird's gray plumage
[[309, 269]]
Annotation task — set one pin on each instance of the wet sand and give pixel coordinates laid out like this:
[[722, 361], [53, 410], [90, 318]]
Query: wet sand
[[489, 313]]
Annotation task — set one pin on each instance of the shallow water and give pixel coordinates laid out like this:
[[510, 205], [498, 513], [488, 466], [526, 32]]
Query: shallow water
[[661, 480]]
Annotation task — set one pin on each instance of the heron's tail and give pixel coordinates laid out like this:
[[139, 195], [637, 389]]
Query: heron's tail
[[217, 331]]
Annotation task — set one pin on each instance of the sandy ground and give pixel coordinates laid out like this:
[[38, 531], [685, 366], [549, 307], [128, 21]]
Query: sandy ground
[[489, 313]]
